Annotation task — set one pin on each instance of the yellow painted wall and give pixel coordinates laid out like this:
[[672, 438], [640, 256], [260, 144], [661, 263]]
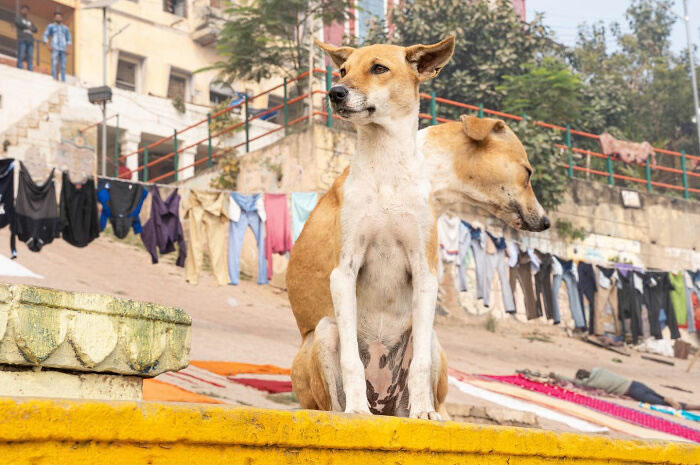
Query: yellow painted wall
[[74, 432]]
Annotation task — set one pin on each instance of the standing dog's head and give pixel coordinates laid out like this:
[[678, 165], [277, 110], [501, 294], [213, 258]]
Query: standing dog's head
[[481, 161], [380, 82]]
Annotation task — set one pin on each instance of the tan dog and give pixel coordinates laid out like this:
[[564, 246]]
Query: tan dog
[[362, 276]]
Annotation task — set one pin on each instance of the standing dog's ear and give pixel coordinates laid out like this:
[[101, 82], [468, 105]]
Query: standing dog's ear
[[338, 54], [478, 128], [428, 60]]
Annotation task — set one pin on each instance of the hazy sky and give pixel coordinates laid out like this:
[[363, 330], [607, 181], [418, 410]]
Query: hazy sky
[[564, 16]]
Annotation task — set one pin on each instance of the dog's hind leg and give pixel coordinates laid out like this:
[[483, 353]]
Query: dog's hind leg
[[316, 377], [439, 378]]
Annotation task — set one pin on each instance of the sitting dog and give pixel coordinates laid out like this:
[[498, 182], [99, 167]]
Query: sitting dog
[[362, 276]]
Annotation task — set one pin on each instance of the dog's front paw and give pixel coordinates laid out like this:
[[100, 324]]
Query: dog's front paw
[[432, 415]]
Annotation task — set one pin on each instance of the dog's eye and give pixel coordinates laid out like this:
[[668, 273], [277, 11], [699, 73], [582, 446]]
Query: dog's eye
[[378, 69], [342, 72]]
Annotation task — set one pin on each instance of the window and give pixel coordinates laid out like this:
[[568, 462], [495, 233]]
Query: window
[[127, 72], [220, 92], [176, 7], [178, 85]]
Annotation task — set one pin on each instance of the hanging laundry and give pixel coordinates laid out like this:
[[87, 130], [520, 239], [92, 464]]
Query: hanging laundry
[[278, 234], [606, 318], [690, 290], [206, 215], [7, 199], [78, 209], [564, 270], [121, 205], [478, 245], [37, 219], [448, 240], [543, 286], [163, 229], [630, 297], [587, 288], [677, 297], [496, 263], [522, 273], [245, 211], [303, 204], [657, 296], [464, 256]]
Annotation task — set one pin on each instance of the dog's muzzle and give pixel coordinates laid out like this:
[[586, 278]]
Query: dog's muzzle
[[338, 94]]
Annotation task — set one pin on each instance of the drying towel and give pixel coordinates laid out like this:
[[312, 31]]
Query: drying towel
[[629, 152], [610, 408], [303, 204], [79, 223], [278, 234], [448, 238], [36, 211], [7, 199]]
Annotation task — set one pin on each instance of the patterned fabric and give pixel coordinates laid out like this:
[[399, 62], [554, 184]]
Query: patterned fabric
[[57, 36]]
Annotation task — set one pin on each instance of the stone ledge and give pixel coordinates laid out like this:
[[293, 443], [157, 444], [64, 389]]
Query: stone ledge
[[90, 332], [47, 431]]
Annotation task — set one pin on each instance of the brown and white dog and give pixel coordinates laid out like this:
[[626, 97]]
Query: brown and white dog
[[362, 276]]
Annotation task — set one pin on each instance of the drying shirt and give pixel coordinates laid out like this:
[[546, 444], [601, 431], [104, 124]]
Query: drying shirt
[[37, 219], [534, 260], [513, 252], [678, 297], [606, 380], [164, 228], [278, 232], [303, 204], [448, 238], [121, 204], [499, 242], [79, 224], [7, 199], [246, 203]]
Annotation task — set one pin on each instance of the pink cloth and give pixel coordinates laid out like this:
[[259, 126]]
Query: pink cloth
[[278, 229], [628, 414], [629, 152]]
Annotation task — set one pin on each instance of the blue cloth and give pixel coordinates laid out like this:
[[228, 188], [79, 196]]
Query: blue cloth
[[57, 36], [103, 196], [58, 64], [236, 232], [574, 300], [25, 53], [303, 204], [499, 242]]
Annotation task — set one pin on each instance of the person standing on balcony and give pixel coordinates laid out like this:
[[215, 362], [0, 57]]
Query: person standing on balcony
[[57, 36], [25, 38]]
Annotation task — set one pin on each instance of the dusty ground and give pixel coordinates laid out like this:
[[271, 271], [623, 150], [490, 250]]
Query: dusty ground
[[251, 323]]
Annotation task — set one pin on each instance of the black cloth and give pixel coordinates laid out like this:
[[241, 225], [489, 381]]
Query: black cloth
[[37, 219], [7, 199], [79, 224], [25, 28], [543, 285], [657, 296], [587, 288], [164, 229], [629, 303], [124, 202]]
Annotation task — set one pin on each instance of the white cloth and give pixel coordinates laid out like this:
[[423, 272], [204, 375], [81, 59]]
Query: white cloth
[[12, 268], [513, 253], [535, 262], [234, 210], [448, 238], [556, 267]]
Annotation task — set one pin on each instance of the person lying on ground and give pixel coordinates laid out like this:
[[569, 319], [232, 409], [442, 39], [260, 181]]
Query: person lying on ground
[[600, 378]]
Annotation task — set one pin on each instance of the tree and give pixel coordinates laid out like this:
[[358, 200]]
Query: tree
[[265, 38], [547, 92]]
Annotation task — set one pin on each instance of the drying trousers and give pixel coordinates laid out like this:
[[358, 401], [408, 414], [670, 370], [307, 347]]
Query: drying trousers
[[237, 231], [496, 263], [606, 314], [689, 306], [543, 287], [522, 273], [208, 232], [479, 255], [574, 300]]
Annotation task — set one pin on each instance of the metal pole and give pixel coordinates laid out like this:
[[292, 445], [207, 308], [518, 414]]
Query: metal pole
[[175, 157], [247, 126], [116, 150], [686, 17], [329, 84], [481, 110], [104, 82], [104, 138], [647, 173], [311, 72], [145, 164], [686, 194], [433, 109], [209, 151], [285, 109], [569, 157], [611, 178]]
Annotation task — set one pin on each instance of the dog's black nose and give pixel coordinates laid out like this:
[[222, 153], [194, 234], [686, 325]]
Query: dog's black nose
[[338, 93], [545, 223]]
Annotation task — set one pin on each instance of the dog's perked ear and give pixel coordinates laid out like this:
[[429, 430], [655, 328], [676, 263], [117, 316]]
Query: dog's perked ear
[[478, 128], [337, 54], [428, 60]]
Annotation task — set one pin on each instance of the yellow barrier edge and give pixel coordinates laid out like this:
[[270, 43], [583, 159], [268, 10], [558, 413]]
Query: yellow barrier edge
[[130, 428]]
